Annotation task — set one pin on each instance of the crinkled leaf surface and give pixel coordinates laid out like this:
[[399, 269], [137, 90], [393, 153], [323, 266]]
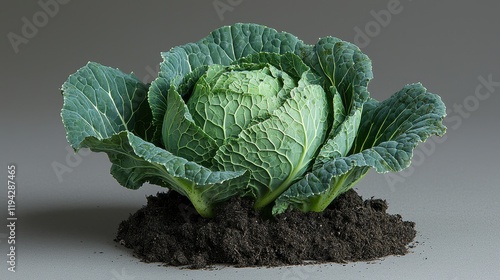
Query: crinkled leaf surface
[[228, 98], [280, 148], [222, 46], [388, 133], [326, 126], [99, 110], [101, 101], [347, 72], [182, 136]]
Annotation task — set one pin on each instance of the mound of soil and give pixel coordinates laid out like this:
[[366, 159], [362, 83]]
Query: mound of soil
[[169, 230]]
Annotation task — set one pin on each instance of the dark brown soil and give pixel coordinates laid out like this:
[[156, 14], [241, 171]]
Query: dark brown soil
[[168, 230]]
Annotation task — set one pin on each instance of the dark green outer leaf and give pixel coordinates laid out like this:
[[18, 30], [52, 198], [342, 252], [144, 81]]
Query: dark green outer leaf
[[346, 72], [102, 111], [101, 101], [136, 161], [388, 133]]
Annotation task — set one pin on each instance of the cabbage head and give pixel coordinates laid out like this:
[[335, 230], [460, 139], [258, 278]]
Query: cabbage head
[[249, 111]]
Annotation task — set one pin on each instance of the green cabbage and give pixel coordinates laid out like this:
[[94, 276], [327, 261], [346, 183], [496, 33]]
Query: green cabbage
[[249, 111]]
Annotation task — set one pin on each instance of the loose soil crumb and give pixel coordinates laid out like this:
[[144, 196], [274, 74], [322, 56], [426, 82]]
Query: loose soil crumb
[[169, 230]]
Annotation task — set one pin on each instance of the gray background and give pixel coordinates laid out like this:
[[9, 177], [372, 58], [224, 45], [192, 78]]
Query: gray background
[[66, 225]]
